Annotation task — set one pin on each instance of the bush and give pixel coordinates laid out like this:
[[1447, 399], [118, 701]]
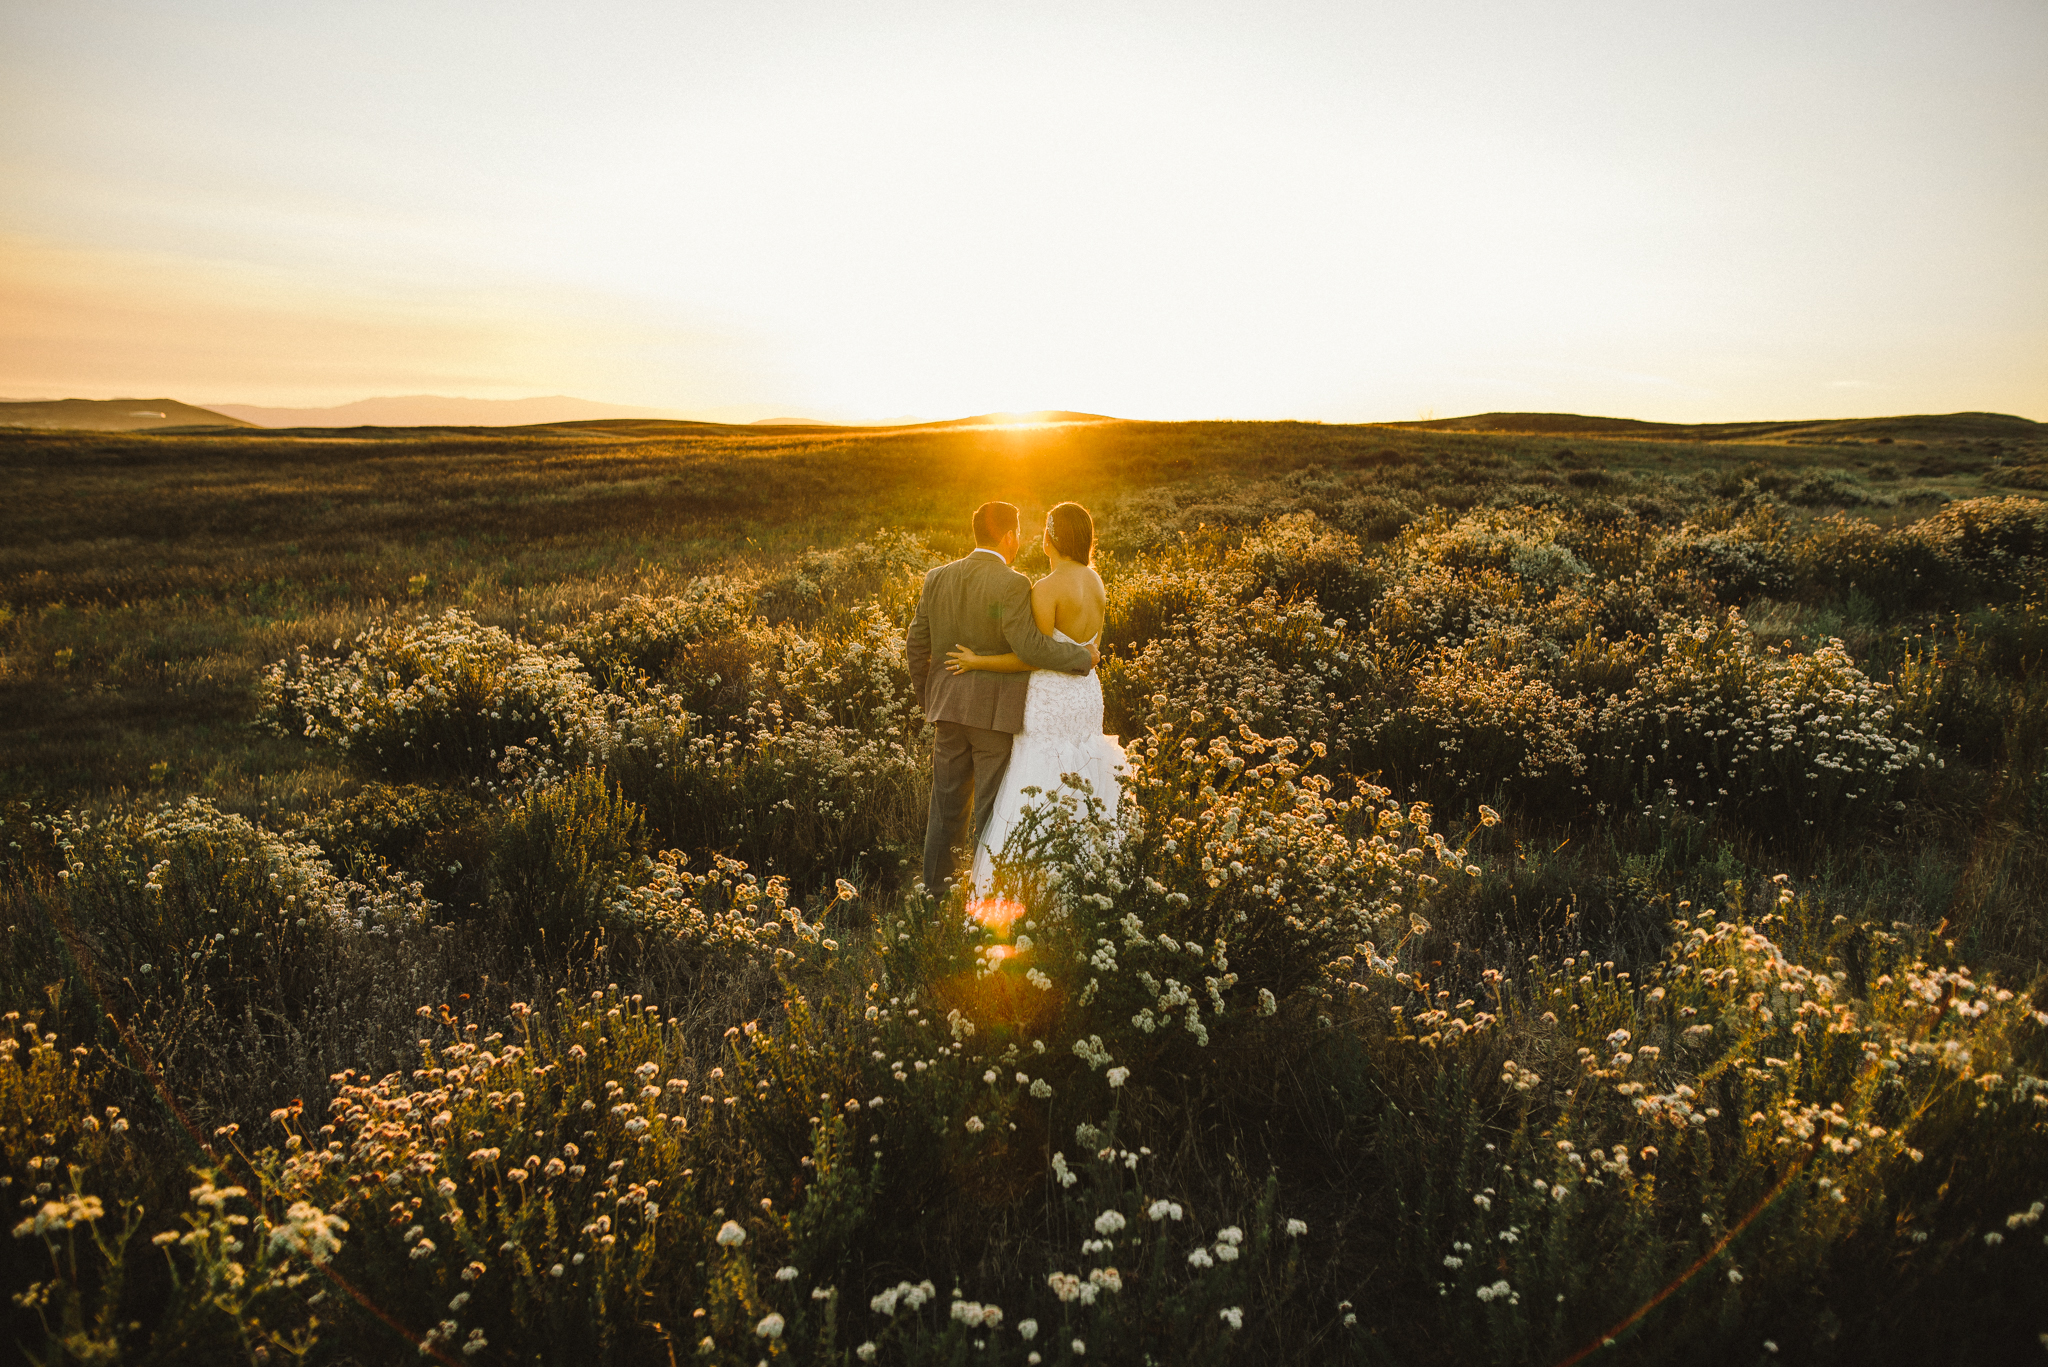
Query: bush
[[2025, 477], [805, 800], [1474, 723], [175, 916], [1775, 1105], [1298, 557], [813, 780], [561, 857], [1841, 554], [1274, 666], [886, 571], [1981, 548], [1835, 488], [1995, 537], [1145, 605], [226, 1275], [669, 638], [1430, 604], [1801, 743], [1739, 563], [1376, 517], [1727, 1130], [1522, 543], [443, 698], [442, 835]]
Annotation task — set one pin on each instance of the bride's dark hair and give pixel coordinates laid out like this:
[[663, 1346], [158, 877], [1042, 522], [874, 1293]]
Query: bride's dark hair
[[1072, 532]]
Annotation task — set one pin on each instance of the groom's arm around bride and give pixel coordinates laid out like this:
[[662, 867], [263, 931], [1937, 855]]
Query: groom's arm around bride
[[980, 602]]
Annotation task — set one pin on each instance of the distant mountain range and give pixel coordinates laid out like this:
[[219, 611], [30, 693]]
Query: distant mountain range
[[111, 415], [435, 410]]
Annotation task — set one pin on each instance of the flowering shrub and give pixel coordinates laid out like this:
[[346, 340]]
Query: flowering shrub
[[1747, 1115], [885, 570], [237, 1272], [1494, 664], [1789, 741], [1298, 556], [1730, 1121], [184, 910], [1475, 723], [1972, 549], [444, 697], [1272, 665], [442, 835], [1436, 605], [789, 795], [523, 1189], [671, 637], [1244, 876], [1520, 542], [1995, 537], [725, 911], [1155, 601], [1741, 561]]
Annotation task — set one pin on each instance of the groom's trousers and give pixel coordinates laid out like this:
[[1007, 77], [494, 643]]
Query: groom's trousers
[[967, 761]]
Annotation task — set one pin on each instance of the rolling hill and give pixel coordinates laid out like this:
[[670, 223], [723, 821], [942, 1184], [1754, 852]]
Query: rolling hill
[[435, 410], [112, 415], [1946, 427]]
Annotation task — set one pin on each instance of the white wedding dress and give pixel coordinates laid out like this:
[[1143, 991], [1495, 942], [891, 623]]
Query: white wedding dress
[[1062, 735]]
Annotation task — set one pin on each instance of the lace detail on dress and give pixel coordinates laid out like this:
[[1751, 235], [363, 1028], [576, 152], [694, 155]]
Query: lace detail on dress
[[1062, 735]]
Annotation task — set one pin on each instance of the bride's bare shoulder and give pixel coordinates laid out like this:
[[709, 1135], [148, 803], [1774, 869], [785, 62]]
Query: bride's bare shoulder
[[1053, 588]]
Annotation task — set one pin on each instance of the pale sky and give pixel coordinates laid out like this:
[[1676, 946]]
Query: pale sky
[[1283, 209]]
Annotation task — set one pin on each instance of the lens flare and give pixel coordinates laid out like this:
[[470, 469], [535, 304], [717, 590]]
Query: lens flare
[[996, 913]]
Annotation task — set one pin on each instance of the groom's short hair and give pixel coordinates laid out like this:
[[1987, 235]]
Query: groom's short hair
[[994, 521]]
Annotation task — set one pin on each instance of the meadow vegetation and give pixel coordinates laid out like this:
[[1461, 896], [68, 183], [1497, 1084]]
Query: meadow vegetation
[[1578, 893]]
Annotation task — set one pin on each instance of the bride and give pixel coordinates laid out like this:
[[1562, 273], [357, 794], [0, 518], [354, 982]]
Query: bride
[[1062, 732]]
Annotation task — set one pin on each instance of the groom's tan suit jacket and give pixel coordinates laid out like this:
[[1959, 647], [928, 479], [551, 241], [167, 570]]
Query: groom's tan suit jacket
[[980, 602]]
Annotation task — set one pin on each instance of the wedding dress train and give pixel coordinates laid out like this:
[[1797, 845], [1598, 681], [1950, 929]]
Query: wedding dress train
[[1062, 735]]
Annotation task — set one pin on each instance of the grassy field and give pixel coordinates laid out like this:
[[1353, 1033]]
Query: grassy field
[[1582, 880], [148, 578]]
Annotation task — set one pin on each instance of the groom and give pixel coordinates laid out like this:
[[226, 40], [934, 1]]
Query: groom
[[980, 602]]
